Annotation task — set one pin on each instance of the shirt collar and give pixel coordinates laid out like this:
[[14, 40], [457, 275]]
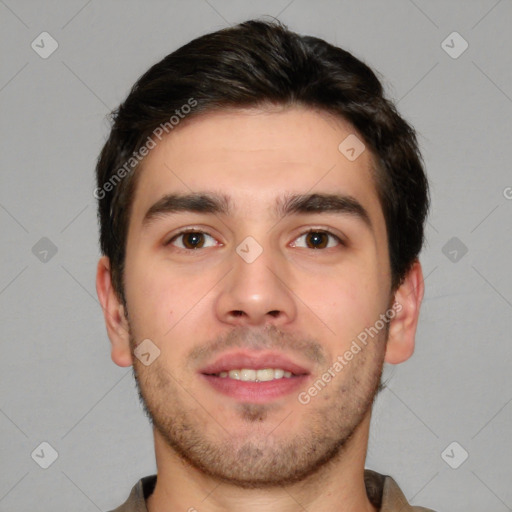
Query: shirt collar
[[382, 491]]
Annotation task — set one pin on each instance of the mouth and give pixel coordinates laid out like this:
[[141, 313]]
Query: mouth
[[255, 377]]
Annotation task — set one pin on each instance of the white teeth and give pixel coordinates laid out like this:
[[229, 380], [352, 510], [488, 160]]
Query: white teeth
[[278, 373], [247, 374], [263, 375], [234, 374]]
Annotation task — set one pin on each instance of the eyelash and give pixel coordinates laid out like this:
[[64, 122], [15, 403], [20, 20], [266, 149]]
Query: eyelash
[[198, 231]]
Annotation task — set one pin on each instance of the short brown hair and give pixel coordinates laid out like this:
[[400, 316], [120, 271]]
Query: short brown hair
[[249, 65]]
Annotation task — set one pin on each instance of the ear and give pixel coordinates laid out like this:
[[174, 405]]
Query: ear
[[402, 328], [113, 311]]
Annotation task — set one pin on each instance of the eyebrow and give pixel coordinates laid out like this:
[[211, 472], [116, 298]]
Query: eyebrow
[[286, 205]]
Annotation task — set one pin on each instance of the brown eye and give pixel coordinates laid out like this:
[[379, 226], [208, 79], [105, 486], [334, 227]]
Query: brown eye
[[190, 240], [318, 240], [193, 240]]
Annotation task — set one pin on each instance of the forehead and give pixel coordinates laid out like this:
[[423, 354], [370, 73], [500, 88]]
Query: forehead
[[255, 155]]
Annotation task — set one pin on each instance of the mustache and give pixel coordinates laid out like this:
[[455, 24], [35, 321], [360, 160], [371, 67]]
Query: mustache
[[267, 338]]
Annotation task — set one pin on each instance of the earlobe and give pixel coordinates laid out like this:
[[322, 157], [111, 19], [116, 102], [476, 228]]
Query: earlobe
[[402, 328], [113, 312]]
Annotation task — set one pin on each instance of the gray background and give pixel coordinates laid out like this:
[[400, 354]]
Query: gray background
[[58, 383]]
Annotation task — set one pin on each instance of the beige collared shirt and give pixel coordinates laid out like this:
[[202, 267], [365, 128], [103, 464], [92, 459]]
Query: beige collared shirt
[[382, 491]]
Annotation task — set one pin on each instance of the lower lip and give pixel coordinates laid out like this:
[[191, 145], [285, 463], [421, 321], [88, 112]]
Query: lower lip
[[256, 392]]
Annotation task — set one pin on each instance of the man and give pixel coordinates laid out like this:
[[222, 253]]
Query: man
[[262, 208]]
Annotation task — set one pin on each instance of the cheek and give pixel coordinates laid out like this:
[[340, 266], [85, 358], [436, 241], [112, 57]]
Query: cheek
[[348, 301], [162, 295], [150, 294]]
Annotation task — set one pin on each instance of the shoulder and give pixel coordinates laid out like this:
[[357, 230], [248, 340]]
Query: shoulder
[[385, 494], [136, 501]]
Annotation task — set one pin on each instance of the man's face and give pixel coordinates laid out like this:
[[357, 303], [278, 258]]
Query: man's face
[[216, 301]]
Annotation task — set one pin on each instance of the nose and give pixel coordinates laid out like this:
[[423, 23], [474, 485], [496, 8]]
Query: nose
[[256, 293]]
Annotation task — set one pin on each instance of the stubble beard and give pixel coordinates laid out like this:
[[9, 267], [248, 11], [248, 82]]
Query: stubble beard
[[268, 456]]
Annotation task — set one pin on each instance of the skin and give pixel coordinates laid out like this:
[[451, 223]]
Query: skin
[[212, 451]]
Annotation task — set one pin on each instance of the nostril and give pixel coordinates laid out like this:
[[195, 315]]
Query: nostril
[[274, 313]]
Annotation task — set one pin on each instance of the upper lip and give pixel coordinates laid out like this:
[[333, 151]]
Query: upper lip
[[253, 360]]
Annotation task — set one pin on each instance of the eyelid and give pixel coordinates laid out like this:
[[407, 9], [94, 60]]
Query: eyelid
[[319, 229], [316, 229], [184, 231]]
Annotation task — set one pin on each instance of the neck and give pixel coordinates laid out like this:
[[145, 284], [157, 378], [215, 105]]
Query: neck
[[338, 485]]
